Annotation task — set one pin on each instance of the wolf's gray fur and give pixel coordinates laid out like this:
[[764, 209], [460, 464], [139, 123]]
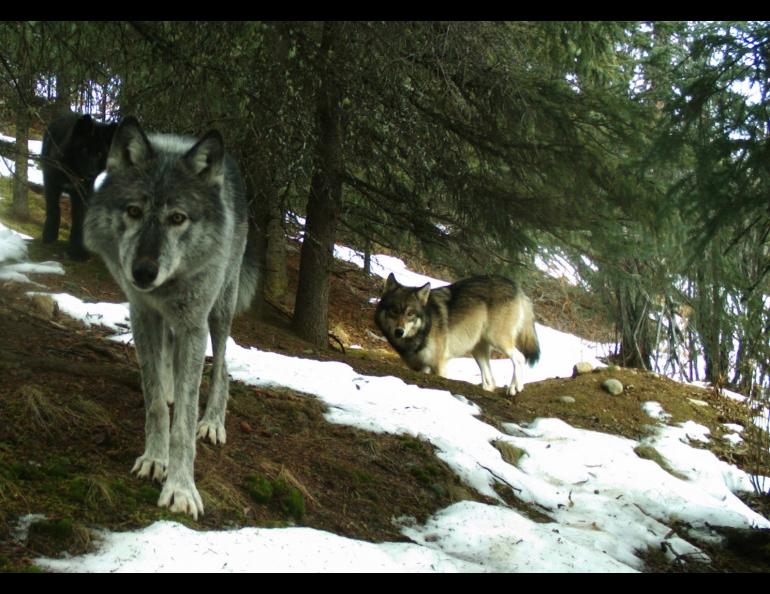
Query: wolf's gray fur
[[170, 222], [475, 315]]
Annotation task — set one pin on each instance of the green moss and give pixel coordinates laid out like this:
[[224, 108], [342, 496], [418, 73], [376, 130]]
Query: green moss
[[58, 468], [147, 495], [278, 494], [76, 490], [412, 444], [50, 537], [93, 492], [425, 473], [259, 488], [61, 529], [27, 569], [25, 472], [9, 566], [289, 500]]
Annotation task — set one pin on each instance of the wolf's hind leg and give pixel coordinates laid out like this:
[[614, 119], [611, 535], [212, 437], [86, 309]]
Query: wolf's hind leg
[[481, 353], [517, 381], [152, 339]]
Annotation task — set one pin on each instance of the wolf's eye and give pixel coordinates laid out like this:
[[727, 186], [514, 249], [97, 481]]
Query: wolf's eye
[[410, 313], [177, 218], [134, 212]]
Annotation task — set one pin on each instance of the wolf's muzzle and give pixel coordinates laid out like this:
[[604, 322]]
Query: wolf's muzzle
[[399, 332], [145, 271]]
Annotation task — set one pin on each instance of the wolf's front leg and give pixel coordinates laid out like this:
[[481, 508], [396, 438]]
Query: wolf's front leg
[[154, 354], [52, 208], [212, 425], [179, 493], [76, 249]]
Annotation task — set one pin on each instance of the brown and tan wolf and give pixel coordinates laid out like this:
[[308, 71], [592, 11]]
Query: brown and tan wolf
[[474, 315]]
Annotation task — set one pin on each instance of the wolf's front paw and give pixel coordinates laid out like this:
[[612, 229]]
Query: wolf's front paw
[[513, 390], [213, 431], [181, 498], [150, 468]]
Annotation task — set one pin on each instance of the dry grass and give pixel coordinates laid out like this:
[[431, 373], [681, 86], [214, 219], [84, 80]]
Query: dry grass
[[278, 473]]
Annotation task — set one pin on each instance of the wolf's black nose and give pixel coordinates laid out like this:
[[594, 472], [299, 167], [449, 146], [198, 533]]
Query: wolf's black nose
[[145, 271], [399, 332]]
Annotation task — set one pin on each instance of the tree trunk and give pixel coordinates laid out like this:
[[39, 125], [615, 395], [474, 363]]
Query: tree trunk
[[311, 307], [276, 281], [368, 256], [635, 349], [63, 93], [20, 186], [257, 226], [716, 353], [267, 217]]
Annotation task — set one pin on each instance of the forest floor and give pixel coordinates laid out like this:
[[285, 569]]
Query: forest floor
[[72, 423]]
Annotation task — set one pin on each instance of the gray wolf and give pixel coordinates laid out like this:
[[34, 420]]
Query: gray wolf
[[74, 152], [170, 220], [474, 315]]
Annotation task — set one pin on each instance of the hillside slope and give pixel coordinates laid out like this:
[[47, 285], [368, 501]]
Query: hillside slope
[[71, 424]]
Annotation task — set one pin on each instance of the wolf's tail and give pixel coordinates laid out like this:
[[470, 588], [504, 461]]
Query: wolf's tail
[[249, 277], [526, 340]]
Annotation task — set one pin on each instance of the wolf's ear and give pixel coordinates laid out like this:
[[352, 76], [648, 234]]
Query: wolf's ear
[[130, 147], [423, 293], [84, 126], [206, 158], [391, 283]]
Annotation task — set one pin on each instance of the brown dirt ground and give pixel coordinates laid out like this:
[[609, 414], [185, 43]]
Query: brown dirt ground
[[72, 422]]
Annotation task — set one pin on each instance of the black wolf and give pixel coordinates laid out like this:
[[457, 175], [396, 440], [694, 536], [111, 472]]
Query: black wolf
[[74, 153]]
